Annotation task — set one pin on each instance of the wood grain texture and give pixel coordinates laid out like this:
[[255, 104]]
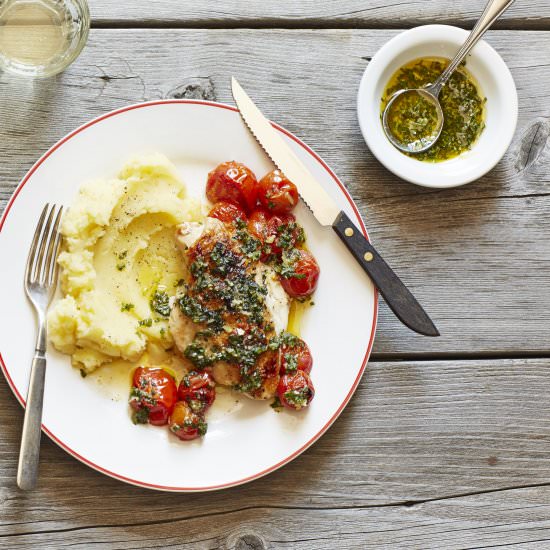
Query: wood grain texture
[[477, 257], [427, 455], [512, 520], [313, 13]]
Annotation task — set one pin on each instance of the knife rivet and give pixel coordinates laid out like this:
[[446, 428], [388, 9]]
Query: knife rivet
[[368, 257], [348, 231]]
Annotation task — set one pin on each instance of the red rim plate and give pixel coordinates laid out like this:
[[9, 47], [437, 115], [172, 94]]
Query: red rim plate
[[289, 458]]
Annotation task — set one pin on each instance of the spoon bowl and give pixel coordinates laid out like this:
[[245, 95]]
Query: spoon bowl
[[491, 75], [493, 10], [423, 141]]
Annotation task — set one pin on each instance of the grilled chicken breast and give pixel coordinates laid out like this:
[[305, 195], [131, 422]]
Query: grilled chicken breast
[[231, 308]]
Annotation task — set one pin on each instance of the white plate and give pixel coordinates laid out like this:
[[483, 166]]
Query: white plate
[[246, 439]]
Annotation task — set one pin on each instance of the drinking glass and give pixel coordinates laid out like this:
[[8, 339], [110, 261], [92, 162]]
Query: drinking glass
[[40, 38]]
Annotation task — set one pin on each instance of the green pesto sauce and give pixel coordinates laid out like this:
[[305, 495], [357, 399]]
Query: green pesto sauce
[[225, 289], [414, 118], [160, 303]]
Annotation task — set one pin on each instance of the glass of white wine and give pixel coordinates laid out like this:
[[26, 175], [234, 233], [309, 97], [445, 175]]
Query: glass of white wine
[[40, 38]]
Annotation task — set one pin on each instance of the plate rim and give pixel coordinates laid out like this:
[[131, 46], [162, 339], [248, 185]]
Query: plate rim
[[346, 400]]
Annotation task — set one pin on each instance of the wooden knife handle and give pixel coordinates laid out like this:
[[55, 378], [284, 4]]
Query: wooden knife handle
[[395, 293]]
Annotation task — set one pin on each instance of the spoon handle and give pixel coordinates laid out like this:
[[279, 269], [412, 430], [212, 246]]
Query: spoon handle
[[493, 10]]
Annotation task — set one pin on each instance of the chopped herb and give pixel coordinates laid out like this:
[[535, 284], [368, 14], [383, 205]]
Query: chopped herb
[[276, 405], [287, 264], [198, 268], [204, 334], [83, 373], [196, 405], [243, 349], [250, 381], [202, 427], [198, 313], [286, 339], [413, 120], [141, 416], [290, 235], [160, 303], [121, 266], [146, 322], [224, 259], [198, 356], [123, 255], [291, 362], [126, 307], [298, 397], [250, 246], [142, 395], [240, 223]]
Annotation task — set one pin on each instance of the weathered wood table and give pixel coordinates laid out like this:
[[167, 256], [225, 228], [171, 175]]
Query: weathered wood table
[[447, 442]]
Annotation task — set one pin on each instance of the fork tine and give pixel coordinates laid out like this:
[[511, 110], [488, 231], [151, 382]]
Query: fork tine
[[55, 270], [37, 273], [32, 250], [51, 267]]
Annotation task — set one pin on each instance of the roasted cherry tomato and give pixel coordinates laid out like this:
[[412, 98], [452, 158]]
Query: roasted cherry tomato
[[153, 395], [258, 227], [227, 212], [264, 377], [295, 355], [185, 423], [295, 391], [300, 273], [276, 193], [198, 390], [233, 182], [257, 224], [283, 233]]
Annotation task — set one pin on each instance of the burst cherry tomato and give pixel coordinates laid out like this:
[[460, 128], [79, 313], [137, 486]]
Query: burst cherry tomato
[[300, 274], [153, 395], [233, 182], [276, 193], [227, 212], [198, 390], [295, 391], [258, 227], [266, 372], [295, 356], [185, 423], [284, 233], [257, 224]]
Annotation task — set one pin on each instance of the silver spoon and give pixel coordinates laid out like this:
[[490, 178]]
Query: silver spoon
[[493, 10]]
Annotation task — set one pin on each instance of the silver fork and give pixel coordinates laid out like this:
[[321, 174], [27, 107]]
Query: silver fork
[[40, 284]]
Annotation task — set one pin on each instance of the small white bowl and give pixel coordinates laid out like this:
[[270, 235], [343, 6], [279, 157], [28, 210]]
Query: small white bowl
[[494, 79]]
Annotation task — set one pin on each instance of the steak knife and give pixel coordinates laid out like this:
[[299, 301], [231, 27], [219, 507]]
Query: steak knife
[[395, 293]]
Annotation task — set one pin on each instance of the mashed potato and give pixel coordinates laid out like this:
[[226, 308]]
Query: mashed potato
[[119, 255]]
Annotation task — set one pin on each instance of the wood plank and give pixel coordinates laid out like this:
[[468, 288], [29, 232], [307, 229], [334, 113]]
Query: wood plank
[[415, 432], [314, 13], [477, 257], [515, 519]]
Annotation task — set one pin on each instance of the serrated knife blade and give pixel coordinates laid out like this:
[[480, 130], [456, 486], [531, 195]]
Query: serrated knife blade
[[395, 293], [316, 198]]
